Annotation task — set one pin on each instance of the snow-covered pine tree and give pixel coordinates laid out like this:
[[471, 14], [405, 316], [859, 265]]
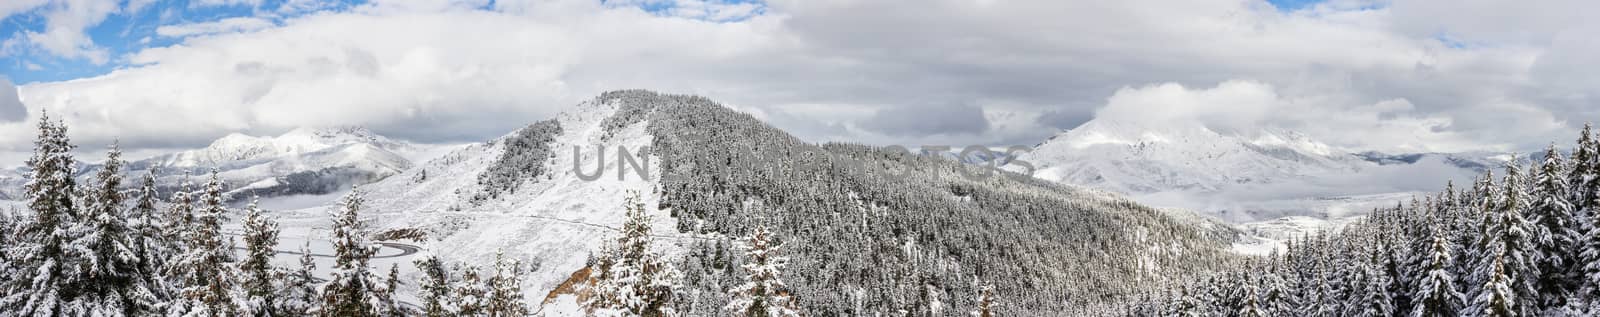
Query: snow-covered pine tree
[[505, 288], [149, 234], [8, 223], [299, 294], [1584, 172], [435, 287], [1183, 305], [388, 300], [763, 292], [1516, 246], [1555, 231], [41, 284], [471, 295], [1436, 290], [1496, 297], [1277, 299], [108, 273], [209, 283], [176, 225], [986, 301], [1589, 257], [634, 280], [260, 237], [352, 290], [1251, 307], [1484, 245], [1374, 299]]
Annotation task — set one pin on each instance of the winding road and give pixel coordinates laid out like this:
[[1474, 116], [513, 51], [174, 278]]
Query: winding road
[[405, 249]]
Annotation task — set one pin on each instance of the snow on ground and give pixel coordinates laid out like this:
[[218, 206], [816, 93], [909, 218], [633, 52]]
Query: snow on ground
[[552, 225]]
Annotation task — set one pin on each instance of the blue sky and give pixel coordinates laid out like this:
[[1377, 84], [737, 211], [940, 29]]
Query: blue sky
[[128, 30], [1293, 4], [122, 32]]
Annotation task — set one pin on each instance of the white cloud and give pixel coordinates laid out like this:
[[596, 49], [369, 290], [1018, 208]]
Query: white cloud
[[11, 109], [11, 7], [65, 22], [440, 69], [1246, 107], [228, 25]]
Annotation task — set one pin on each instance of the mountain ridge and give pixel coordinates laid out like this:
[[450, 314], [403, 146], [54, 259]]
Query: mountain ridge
[[717, 173]]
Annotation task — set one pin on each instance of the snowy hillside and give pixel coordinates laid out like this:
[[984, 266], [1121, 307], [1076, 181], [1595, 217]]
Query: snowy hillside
[[1243, 177], [552, 221], [519, 194]]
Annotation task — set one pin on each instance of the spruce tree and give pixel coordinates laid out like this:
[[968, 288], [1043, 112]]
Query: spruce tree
[[1251, 306], [176, 224], [1516, 242], [149, 238], [1589, 255], [389, 303], [8, 222], [1374, 299], [505, 289], [108, 269], [41, 284], [1496, 297], [1278, 299], [1555, 231], [299, 294], [1436, 291], [634, 280], [352, 290], [1584, 174], [260, 237], [209, 283], [763, 293], [1183, 305], [435, 287], [471, 297]]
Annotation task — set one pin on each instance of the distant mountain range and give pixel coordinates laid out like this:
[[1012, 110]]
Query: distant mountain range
[[299, 162], [1243, 176]]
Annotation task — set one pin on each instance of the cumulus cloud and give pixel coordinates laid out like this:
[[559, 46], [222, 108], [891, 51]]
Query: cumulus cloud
[[64, 34], [1357, 74]]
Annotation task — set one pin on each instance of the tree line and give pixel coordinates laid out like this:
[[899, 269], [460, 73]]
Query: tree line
[[1526, 243]]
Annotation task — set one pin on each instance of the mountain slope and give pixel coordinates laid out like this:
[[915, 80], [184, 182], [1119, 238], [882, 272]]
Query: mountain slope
[[861, 240]]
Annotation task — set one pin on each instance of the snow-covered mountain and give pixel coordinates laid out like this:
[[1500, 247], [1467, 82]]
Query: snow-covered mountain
[[1137, 159], [1242, 176], [299, 162], [860, 241], [236, 147]]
